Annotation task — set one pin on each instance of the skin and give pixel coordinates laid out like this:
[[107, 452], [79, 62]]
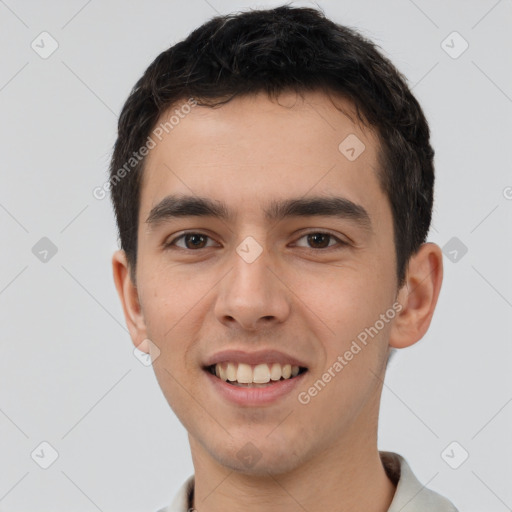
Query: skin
[[307, 301]]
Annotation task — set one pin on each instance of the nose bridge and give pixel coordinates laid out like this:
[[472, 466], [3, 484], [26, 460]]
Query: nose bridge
[[251, 294]]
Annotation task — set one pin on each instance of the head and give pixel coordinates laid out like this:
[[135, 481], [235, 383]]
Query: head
[[279, 134]]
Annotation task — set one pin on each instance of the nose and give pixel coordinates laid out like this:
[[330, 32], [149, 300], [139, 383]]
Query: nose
[[252, 296]]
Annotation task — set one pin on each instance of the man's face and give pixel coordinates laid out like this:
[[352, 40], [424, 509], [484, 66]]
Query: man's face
[[305, 285]]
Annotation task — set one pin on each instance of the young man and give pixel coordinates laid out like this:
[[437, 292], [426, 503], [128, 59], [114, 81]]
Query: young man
[[272, 182]]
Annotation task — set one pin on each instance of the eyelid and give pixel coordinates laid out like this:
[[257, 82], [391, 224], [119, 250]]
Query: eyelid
[[340, 241], [180, 235]]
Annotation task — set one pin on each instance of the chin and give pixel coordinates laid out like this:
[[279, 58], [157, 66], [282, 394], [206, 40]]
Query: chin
[[264, 464], [258, 456]]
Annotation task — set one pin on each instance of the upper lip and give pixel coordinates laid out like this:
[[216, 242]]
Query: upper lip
[[261, 356]]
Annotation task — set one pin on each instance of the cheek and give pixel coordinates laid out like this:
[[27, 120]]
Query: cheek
[[171, 292], [344, 300], [342, 308], [173, 313], [173, 308]]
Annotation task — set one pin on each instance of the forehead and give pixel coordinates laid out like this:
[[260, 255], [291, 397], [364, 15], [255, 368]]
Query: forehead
[[254, 149]]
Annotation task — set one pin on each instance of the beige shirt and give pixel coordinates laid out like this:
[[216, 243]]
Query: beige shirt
[[410, 494]]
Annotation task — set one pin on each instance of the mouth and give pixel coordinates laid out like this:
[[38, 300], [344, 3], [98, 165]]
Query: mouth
[[254, 375]]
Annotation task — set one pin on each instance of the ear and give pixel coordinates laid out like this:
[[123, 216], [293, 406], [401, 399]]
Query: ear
[[128, 295], [418, 296]]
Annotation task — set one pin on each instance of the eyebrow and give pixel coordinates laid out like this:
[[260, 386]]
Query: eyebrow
[[177, 206]]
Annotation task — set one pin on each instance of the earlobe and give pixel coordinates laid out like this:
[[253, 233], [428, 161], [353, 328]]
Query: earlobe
[[418, 296], [129, 298]]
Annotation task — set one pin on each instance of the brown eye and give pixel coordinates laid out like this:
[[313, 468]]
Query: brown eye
[[319, 240], [195, 241], [190, 241]]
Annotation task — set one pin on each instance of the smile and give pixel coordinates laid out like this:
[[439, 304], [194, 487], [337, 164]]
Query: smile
[[258, 375]]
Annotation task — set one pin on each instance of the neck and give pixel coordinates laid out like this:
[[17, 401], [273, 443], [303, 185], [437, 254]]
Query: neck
[[343, 478]]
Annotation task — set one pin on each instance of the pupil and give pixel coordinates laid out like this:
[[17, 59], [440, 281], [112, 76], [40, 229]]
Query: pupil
[[319, 239], [196, 240]]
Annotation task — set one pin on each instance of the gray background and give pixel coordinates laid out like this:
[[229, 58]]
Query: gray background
[[67, 370]]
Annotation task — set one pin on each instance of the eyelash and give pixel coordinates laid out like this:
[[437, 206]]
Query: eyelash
[[340, 243]]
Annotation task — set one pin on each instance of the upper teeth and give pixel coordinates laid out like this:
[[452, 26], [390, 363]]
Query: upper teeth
[[259, 374]]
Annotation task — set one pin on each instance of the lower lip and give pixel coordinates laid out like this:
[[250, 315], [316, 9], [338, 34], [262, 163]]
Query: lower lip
[[255, 396]]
